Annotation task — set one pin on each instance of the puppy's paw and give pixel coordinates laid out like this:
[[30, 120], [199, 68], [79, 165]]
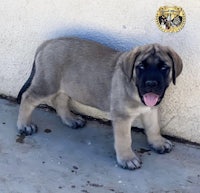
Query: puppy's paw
[[132, 163], [161, 145], [27, 129], [75, 123]]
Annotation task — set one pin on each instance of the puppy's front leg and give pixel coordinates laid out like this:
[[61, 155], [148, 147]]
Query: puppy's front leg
[[126, 158], [152, 129]]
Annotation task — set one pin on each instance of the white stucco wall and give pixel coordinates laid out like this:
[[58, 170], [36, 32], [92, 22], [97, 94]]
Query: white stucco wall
[[119, 24]]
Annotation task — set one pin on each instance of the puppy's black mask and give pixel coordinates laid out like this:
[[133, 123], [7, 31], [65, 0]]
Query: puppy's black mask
[[152, 79]]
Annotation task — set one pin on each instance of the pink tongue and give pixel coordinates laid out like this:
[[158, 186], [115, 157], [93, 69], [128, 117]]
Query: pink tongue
[[150, 99]]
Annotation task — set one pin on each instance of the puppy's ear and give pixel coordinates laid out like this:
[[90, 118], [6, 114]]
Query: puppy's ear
[[127, 62], [177, 64]]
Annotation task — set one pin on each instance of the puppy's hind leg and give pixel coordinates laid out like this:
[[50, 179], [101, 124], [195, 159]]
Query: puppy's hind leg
[[61, 104], [28, 104]]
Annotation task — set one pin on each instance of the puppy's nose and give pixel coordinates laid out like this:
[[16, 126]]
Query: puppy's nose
[[151, 83]]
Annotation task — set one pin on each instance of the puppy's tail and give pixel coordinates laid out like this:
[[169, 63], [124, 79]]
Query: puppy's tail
[[27, 84]]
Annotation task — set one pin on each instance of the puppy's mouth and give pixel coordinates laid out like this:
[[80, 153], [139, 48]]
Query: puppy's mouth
[[151, 99]]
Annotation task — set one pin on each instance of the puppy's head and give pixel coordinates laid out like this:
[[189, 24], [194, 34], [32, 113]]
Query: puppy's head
[[152, 68]]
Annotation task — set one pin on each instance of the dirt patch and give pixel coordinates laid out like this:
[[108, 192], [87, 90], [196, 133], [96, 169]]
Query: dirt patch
[[94, 184], [47, 130], [20, 138]]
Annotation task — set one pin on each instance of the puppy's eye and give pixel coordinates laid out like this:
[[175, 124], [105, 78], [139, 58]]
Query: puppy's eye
[[141, 66], [164, 67]]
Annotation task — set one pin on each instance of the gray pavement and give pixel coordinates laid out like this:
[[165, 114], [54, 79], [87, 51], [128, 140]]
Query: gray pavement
[[61, 160]]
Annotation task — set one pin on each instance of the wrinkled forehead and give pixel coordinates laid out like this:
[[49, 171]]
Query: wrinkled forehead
[[154, 54]]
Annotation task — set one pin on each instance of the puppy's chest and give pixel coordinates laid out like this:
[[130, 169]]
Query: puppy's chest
[[136, 111]]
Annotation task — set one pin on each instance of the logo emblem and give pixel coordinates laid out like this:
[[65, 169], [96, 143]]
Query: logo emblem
[[170, 18]]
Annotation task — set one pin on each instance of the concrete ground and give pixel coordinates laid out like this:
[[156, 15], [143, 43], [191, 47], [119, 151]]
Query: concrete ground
[[60, 160]]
